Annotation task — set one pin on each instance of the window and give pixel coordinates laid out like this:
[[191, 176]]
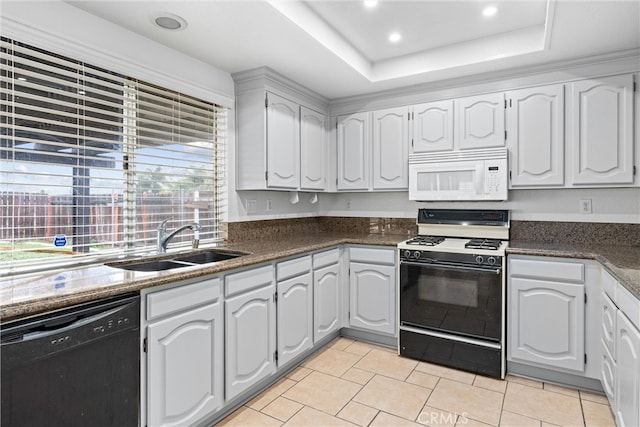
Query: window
[[93, 161]]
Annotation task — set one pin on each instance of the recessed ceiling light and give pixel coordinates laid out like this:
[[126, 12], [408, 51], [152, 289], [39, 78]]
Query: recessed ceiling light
[[168, 21], [394, 37], [489, 11], [370, 4]]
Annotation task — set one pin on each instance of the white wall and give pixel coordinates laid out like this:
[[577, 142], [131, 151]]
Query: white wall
[[609, 205], [67, 30]]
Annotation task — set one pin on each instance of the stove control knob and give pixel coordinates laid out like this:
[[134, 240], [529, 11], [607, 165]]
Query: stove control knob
[[407, 254], [479, 259], [491, 260], [416, 254]]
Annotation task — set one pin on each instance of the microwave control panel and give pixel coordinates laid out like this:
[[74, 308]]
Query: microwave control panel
[[495, 179]]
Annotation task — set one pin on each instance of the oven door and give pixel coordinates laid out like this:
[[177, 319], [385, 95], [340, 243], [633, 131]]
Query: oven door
[[451, 298]]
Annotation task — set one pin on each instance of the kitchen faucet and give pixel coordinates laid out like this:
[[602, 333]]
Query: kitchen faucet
[[164, 238]]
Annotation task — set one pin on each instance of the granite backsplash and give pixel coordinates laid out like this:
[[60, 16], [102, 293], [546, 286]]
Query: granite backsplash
[[580, 233], [587, 233], [273, 228]]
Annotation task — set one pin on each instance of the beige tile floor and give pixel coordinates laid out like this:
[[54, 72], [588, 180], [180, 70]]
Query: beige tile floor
[[354, 383]]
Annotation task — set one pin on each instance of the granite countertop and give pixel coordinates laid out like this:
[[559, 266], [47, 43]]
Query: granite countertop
[[623, 262], [30, 294]]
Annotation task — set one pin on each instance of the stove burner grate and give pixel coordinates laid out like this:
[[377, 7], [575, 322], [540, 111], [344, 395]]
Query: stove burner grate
[[426, 240], [491, 244]]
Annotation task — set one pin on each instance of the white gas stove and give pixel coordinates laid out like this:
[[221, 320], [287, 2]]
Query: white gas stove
[[481, 232], [452, 290]]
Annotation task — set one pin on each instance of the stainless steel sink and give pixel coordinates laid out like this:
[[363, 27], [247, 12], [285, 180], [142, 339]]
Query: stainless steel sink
[[155, 265], [207, 256]]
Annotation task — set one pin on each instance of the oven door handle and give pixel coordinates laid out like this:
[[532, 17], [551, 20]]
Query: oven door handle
[[496, 270]]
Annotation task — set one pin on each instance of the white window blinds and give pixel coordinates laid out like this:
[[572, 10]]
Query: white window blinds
[[93, 161]]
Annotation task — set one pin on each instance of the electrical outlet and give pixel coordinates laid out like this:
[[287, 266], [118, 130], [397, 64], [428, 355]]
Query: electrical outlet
[[252, 206], [348, 204], [269, 204], [585, 206]]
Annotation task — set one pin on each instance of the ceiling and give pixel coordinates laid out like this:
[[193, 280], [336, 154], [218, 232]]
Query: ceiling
[[341, 48]]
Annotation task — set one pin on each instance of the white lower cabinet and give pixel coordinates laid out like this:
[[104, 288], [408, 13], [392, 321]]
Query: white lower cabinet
[[327, 288], [184, 353], [250, 320], [546, 320], [627, 394], [608, 345], [620, 375], [295, 308], [608, 371], [372, 289]]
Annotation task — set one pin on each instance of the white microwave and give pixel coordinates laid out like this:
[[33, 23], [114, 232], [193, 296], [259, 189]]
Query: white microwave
[[459, 176]]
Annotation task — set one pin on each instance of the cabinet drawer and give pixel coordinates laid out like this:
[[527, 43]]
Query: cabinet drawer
[[247, 280], [609, 284], [326, 258], [292, 268], [181, 298], [551, 270], [628, 304], [373, 255]]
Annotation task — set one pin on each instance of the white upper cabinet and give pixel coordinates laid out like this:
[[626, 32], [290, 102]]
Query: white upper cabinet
[[283, 142], [432, 127], [480, 121], [353, 151], [391, 149], [373, 150], [600, 143], [281, 135], [313, 150], [535, 123]]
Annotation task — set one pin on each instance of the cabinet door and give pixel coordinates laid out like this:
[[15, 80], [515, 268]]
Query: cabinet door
[[372, 290], [627, 373], [391, 149], [326, 301], [283, 142], [432, 127], [313, 149], [353, 151], [547, 323], [480, 121], [608, 370], [250, 339], [608, 331], [535, 120], [601, 127], [295, 317], [185, 366]]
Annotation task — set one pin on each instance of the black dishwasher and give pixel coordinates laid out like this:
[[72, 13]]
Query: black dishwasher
[[75, 367]]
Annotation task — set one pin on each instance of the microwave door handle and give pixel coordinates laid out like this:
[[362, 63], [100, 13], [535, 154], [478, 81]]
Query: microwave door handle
[[495, 270]]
